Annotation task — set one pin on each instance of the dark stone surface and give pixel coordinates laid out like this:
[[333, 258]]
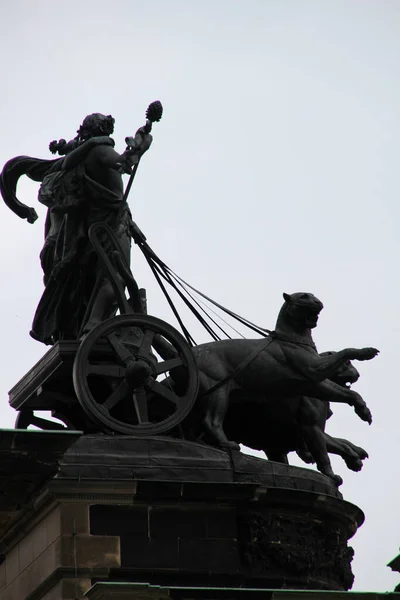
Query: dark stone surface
[[200, 516], [27, 460], [184, 513], [295, 547], [168, 460]]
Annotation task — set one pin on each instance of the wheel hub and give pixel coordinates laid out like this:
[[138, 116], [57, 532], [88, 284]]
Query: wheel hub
[[137, 372]]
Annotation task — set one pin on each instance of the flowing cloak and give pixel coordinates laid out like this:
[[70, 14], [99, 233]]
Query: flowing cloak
[[75, 201]]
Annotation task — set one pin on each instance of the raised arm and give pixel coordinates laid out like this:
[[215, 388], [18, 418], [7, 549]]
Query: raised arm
[[106, 155]]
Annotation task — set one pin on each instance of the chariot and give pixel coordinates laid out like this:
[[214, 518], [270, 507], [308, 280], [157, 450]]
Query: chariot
[[132, 374]]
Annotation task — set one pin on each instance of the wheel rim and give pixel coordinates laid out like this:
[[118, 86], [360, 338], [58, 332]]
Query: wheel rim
[[122, 386]]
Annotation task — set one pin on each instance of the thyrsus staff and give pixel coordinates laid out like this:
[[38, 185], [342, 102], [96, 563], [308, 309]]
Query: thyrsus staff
[[153, 114]]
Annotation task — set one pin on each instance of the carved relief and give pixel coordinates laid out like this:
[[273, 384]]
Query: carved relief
[[308, 549]]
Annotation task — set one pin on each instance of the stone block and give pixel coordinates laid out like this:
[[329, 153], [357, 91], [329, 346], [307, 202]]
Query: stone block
[[117, 520], [221, 523], [74, 517], [2, 575], [88, 552], [25, 550], [53, 525], [171, 522], [12, 565], [39, 539], [149, 553], [212, 555]]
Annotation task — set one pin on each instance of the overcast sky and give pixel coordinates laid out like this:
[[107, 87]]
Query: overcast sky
[[274, 168]]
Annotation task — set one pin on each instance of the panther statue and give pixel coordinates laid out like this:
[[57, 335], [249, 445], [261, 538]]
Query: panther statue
[[284, 365], [280, 426]]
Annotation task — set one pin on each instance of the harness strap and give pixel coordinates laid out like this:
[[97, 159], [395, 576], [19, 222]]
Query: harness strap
[[292, 339], [241, 366]]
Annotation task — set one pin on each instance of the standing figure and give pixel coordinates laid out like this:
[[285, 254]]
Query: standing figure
[[81, 188]]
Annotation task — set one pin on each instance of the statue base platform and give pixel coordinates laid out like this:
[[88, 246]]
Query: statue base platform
[[171, 513]]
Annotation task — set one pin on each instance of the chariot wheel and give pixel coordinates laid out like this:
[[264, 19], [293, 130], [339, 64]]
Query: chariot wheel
[[124, 385]]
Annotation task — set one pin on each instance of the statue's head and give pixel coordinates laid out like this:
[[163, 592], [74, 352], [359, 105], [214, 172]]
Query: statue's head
[[96, 124], [344, 375], [302, 308]]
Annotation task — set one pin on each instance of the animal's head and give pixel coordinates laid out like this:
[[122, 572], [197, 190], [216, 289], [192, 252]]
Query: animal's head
[[301, 309], [346, 374]]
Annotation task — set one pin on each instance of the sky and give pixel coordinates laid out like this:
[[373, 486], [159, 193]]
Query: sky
[[273, 169]]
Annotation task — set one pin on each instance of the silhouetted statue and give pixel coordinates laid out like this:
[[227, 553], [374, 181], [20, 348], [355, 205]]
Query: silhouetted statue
[[81, 188]]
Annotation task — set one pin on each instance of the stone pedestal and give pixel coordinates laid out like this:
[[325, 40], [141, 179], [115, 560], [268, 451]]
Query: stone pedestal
[[171, 513]]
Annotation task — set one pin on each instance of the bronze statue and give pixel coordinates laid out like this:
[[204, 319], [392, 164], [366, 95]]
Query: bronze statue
[[135, 374], [81, 188]]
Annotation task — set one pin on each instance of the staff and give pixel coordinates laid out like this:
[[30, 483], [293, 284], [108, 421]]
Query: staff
[[153, 114]]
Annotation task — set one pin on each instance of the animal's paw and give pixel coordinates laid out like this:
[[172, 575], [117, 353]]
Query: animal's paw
[[367, 353], [337, 480], [218, 435], [363, 454], [360, 452], [364, 413], [354, 464]]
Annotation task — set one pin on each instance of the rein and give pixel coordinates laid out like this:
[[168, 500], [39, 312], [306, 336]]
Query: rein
[[282, 337]]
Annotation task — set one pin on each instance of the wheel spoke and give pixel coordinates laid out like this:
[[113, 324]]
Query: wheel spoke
[[106, 369], [116, 396], [119, 348], [145, 346], [168, 365], [140, 402], [165, 392]]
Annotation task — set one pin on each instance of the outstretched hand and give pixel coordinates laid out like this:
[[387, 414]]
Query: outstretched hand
[[30, 214], [143, 140]]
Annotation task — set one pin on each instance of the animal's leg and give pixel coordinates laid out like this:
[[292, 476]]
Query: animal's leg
[[357, 449], [214, 418], [325, 366], [305, 456], [280, 457], [351, 454], [314, 437], [327, 390], [316, 367]]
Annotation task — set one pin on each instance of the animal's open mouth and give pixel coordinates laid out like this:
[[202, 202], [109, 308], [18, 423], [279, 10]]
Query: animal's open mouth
[[348, 382], [312, 318]]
